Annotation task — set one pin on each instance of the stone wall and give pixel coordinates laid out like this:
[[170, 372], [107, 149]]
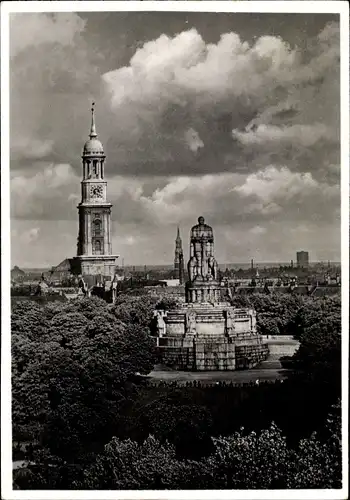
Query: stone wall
[[172, 292], [179, 358], [248, 356], [214, 355], [281, 345]]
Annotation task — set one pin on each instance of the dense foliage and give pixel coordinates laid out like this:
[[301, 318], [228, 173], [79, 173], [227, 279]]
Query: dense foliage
[[243, 460], [93, 423], [289, 314], [73, 366]]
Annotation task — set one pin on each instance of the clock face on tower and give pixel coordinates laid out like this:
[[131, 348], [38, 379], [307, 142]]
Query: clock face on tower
[[96, 191]]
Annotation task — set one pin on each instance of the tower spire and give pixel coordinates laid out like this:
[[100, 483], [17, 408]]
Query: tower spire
[[93, 125], [179, 258]]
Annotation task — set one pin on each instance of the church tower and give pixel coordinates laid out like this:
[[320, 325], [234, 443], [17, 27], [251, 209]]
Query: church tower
[[94, 251], [179, 259]]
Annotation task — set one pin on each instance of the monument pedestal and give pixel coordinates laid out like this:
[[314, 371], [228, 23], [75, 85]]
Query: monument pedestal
[[215, 355], [209, 337], [203, 292]]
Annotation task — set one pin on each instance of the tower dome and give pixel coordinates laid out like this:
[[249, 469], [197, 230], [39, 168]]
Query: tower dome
[[93, 146]]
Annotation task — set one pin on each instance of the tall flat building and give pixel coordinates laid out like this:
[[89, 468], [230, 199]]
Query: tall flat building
[[302, 259], [179, 259], [94, 253]]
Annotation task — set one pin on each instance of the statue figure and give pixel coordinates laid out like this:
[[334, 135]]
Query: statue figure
[[213, 268], [192, 268], [202, 264], [229, 322], [191, 322], [114, 287], [229, 292], [161, 326]]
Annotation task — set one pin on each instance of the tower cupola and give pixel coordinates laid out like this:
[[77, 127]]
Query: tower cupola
[[93, 147], [93, 154]]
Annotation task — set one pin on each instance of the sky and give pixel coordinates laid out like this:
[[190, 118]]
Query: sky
[[235, 117]]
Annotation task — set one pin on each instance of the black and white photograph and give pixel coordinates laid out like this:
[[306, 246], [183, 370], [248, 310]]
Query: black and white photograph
[[175, 249]]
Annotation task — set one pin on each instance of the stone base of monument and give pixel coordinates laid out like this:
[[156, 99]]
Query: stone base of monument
[[250, 355], [214, 355], [209, 337]]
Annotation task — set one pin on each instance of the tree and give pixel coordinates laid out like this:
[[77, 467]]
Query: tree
[[318, 358], [167, 303], [313, 311], [275, 312], [129, 465], [73, 365], [251, 461], [240, 461], [28, 319], [135, 310], [186, 425], [315, 466]]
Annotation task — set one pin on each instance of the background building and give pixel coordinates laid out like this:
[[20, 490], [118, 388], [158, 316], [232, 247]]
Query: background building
[[17, 274], [302, 259]]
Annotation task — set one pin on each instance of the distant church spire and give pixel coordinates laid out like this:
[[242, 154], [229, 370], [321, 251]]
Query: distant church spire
[[93, 125], [179, 258]]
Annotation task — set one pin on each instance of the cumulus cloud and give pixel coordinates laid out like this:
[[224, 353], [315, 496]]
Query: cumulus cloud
[[31, 148], [30, 30], [225, 199], [178, 95], [280, 193], [266, 135], [176, 84], [231, 199], [258, 230], [193, 140], [251, 212], [168, 68], [53, 78], [30, 235], [45, 195], [244, 132], [43, 248], [273, 182]]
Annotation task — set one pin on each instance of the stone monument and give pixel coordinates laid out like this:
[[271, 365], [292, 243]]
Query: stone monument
[[205, 332]]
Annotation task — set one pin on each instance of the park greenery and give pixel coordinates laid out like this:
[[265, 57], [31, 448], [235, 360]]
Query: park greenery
[[87, 419]]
